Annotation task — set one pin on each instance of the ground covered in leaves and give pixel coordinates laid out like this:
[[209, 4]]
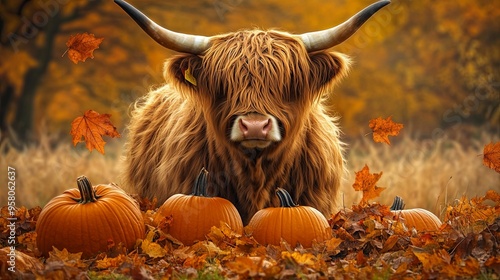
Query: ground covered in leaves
[[368, 242]]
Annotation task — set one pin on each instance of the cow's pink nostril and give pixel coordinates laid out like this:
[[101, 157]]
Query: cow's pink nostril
[[255, 129]]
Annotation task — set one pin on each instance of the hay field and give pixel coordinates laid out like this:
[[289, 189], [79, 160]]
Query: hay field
[[426, 173]]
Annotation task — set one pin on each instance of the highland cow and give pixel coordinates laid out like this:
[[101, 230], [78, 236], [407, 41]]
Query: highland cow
[[249, 107]]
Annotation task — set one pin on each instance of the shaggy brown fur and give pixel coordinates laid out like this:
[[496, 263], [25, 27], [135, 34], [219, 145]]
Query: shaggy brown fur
[[179, 128]]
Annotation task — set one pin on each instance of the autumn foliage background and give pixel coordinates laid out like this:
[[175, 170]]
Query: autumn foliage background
[[432, 66]]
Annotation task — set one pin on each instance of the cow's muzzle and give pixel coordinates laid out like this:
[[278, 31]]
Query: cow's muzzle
[[255, 130]]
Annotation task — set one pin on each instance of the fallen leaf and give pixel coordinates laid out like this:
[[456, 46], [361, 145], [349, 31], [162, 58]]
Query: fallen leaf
[[366, 182], [152, 249], [333, 244], [306, 259], [92, 126], [389, 243], [82, 46], [383, 128], [107, 263], [247, 266], [69, 259], [491, 156], [21, 261]]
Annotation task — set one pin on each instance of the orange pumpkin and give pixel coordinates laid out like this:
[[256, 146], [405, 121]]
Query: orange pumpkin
[[88, 218], [418, 218], [194, 215], [293, 223]]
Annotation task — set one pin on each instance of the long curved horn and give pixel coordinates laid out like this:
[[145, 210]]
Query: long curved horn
[[324, 39], [180, 42]]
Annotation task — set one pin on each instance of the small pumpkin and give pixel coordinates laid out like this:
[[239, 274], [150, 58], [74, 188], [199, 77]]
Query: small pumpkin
[[293, 223], [194, 215], [418, 218], [86, 219]]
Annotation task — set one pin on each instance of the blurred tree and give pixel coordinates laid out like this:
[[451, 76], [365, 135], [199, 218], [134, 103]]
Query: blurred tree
[[438, 68], [428, 64], [29, 30]]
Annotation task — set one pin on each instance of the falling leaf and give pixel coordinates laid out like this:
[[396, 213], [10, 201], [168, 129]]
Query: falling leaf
[[92, 126], [491, 156], [82, 46], [366, 182], [383, 128]]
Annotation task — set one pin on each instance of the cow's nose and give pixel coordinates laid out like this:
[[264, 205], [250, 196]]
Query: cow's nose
[[255, 129]]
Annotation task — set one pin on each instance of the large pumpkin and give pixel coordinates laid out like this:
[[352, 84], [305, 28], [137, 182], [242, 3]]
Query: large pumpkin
[[194, 215], [418, 218], [87, 219], [293, 223]]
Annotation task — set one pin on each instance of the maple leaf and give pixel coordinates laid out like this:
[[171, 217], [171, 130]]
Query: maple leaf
[[92, 126], [65, 257], [82, 46], [383, 128], [366, 182], [491, 156]]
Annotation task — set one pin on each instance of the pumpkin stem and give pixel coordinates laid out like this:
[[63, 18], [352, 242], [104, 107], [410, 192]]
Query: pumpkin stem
[[87, 192], [200, 185], [398, 204], [285, 198]]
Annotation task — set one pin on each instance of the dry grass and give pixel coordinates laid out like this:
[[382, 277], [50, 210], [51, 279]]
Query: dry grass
[[426, 173]]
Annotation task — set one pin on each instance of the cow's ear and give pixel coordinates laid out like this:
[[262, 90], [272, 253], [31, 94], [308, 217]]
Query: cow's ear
[[327, 68], [184, 71]]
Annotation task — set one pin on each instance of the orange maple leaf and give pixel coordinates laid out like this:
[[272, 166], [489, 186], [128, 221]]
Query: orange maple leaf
[[82, 46], [92, 126], [491, 156], [383, 128], [366, 182]]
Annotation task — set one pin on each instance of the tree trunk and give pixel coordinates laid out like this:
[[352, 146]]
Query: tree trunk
[[6, 99], [23, 121]]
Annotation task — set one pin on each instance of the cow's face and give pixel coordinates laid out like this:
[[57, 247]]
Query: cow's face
[[257, 87]]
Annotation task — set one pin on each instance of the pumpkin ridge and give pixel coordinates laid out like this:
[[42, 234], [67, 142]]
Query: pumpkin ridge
[[131, 220], [110, 217], [194, 214], [276, 221]]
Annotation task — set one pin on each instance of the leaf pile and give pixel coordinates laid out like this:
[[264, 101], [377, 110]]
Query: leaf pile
[[368, 241]]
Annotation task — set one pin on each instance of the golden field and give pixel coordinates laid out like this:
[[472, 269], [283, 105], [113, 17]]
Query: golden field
[[425, 173]]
